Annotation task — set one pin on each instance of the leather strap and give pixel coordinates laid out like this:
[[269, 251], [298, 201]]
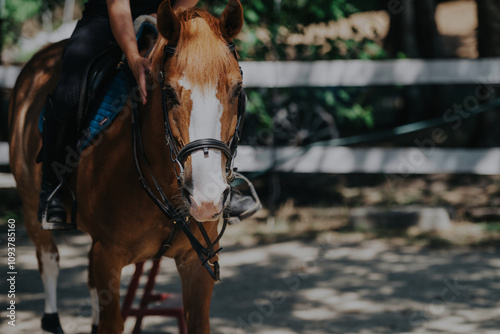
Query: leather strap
[[180, 221], [203, 144]]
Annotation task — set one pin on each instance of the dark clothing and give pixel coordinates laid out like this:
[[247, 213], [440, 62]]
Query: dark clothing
[[138, 7], [92, 36]]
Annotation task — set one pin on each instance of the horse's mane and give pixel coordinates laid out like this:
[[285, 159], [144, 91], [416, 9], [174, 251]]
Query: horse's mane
[[202, 54]]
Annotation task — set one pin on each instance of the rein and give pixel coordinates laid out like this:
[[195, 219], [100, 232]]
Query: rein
[[180, 220]]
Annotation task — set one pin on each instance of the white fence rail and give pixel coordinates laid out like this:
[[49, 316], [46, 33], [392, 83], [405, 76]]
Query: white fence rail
[[336, 73], [4, 154], [8, 76], [357, 73], [401, 161], [397, 161]]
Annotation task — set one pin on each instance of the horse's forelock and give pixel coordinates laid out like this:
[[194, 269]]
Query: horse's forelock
[[202, 55]]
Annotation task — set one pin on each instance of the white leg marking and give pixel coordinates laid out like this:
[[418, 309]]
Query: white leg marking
[[207, 173], [95, 306], [50, 273]]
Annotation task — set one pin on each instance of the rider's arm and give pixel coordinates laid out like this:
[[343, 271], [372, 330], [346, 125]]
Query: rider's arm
[[120, 17]]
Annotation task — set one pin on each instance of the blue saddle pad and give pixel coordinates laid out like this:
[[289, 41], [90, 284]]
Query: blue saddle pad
[[111, 105]]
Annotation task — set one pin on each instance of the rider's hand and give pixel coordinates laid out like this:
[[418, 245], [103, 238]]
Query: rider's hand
[[140, 66]]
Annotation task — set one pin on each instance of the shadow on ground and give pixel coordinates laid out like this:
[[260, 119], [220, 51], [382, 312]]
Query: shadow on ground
[[368, 286]]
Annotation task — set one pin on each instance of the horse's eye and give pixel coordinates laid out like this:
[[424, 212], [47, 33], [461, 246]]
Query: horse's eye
[[237, 90], [171, 94]]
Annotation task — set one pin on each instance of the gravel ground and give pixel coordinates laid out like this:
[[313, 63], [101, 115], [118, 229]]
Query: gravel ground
[[345, 284]]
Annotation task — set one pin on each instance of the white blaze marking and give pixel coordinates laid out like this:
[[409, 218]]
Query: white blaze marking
[[208, 182], [49, 278], [95, 306]]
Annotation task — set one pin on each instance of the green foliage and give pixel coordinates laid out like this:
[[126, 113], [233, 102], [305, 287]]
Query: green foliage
[[301, 115], [300, 13], [294, 15], [17, 12], [297, 115], [257, 106], [357, 115], [14, 14], [21, 10]]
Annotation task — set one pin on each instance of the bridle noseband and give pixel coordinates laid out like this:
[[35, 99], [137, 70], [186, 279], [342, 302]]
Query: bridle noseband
[[178, 157]]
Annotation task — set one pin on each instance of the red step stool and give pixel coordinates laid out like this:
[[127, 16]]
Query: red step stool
[[176, 311]]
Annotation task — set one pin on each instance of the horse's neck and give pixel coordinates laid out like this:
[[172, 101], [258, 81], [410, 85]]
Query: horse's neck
[[155, 145]]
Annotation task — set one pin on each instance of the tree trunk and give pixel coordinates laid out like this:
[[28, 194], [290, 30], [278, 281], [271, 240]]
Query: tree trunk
[[488, 44], [488, 32], [428, 38], [69, 9], [413, 31]]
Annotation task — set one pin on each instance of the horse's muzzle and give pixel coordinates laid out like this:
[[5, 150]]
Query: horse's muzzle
[[204, 210]]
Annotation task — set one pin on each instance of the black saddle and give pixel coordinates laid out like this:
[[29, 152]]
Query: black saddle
[[95, 83], [101, 71]]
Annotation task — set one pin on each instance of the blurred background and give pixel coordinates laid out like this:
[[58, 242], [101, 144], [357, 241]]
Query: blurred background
[[372, 138]]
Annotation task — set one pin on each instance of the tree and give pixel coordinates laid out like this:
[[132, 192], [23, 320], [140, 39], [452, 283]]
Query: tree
[[15, 13], [413, 33], [488, 44]]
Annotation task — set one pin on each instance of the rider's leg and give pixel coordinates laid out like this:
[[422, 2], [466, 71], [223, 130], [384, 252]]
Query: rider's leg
[[56, 136], [92, 36], [241, 206]]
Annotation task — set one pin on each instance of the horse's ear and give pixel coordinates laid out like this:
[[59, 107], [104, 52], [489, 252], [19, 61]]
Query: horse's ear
[[169, 25], [231, 20]]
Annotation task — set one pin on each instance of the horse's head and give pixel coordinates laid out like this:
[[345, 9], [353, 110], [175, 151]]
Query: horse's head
[[201, 90]]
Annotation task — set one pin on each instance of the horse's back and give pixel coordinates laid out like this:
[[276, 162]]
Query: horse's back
[[36, 80]]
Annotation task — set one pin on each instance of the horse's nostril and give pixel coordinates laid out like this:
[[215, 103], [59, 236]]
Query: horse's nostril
[[186, 195]]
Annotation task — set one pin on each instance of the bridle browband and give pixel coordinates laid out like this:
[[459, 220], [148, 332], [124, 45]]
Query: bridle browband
[[178, 157]]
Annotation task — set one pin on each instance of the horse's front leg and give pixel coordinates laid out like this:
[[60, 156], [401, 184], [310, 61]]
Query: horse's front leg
[[106, 268], [197, 286]]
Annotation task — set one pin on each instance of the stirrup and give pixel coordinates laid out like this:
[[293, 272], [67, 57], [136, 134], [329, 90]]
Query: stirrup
[[59, 226], [249, 212]]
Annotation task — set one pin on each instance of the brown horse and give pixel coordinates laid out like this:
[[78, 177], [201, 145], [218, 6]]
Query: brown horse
[[202, 83]]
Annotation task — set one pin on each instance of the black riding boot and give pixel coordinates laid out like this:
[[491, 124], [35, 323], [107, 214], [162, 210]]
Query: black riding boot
[[240, 206], [57, 135]]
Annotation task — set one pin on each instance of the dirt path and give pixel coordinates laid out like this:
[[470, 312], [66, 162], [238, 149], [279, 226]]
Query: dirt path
[[342, 286]]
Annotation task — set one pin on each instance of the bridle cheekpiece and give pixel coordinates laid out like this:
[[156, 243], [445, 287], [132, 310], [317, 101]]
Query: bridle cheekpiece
[[178, 157]]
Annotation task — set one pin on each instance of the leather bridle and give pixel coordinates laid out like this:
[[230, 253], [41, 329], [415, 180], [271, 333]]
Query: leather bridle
[[178, 157]]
